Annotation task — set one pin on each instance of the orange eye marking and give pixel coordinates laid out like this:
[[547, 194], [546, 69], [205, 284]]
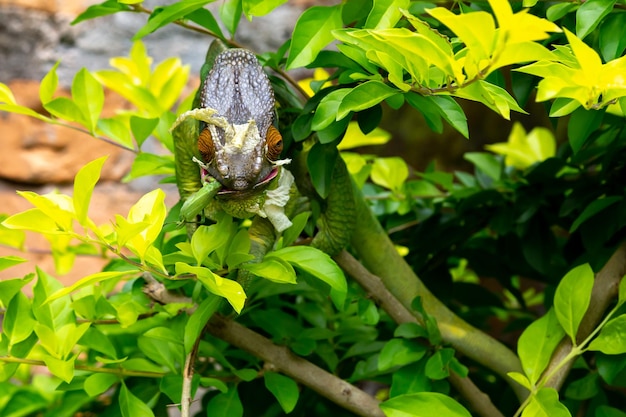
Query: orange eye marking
[[205, 145], [274, 143]]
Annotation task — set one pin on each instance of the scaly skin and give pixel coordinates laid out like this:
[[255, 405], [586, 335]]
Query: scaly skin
[[337, 210]]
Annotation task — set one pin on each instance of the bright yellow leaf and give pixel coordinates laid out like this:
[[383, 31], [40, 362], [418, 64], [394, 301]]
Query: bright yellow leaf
[[318, 75], [354, 137], [523, 150]]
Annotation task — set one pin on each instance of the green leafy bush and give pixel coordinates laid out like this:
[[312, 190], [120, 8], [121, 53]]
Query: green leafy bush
[[525, 254]]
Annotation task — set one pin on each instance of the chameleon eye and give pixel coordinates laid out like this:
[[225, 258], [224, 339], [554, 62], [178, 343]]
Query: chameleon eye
[[205, 145], [274, 143]]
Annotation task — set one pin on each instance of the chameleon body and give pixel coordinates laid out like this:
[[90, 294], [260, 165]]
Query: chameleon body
[[227, 153]]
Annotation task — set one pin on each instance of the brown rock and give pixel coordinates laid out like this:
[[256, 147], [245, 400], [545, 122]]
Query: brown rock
[[35, 152], [71, 7]]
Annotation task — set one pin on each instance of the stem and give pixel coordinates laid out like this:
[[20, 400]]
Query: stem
[[281, 359], [380, 257], [477, 400], [116, 371], [186, 399]]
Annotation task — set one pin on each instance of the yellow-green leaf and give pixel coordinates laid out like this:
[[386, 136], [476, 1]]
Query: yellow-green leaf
[[227, 288], [355, 138], [91, 280], [84, 184], [49, 84]]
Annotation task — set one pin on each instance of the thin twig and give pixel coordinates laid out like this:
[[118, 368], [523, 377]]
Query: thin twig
[[187, 379], [281, 359], [477, 400]]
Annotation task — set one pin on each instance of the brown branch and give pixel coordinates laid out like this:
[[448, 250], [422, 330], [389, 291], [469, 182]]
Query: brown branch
[[477, 400], [605, 289], [281, 359]]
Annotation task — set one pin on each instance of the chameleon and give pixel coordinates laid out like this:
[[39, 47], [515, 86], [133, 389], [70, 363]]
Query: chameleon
[[228, 158]]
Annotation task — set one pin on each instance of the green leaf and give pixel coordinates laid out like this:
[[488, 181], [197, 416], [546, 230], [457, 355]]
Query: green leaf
[[49, 84], [205, 18], [198, 320], [64, 108], [584, 388], [589, 15], [284, 389], [389, 172], [63, 369], [207, 239], [55, 314], [97, 384], [88, 95], [84, 183], [273, 269], [321, 164], [227, 288], [452, 112], [17, 109], [313, 31], [606, 411], [225, 404], [572, 298], [545, 403], [385, 13], [423, 404], [537, 343], [260, 7], [521, 379], [316, 263], [326, 112], [437, 366], [400, 352], [161, 16], [164, 346], [612, 36], [230, 14], [612, 337], [18, 322], [486, 162], [142, 128], [364, 96], [132, 406], [594, 208], [90, 280], [103, 9], [116, 130], [581, 125], [150, 164], [9, 261]]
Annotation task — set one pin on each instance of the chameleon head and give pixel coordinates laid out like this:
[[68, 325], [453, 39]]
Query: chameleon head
[[240, 152]]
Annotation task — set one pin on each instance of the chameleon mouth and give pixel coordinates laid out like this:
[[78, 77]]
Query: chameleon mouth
[[273, 173]]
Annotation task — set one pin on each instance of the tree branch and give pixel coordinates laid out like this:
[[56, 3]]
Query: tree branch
[[477, 400], [605, 289], [283, 360], [380, 257]]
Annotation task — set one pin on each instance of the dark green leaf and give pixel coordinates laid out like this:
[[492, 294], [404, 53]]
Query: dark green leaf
[[321, 164], [584, 388], [486, 162], [284, 389], [594, 208], [326, 112], [452, 113], [606, 411], [437, 366], [581, 124], [425, 105], [410, 331], [612, 36], [557, 11], [225, 404]]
